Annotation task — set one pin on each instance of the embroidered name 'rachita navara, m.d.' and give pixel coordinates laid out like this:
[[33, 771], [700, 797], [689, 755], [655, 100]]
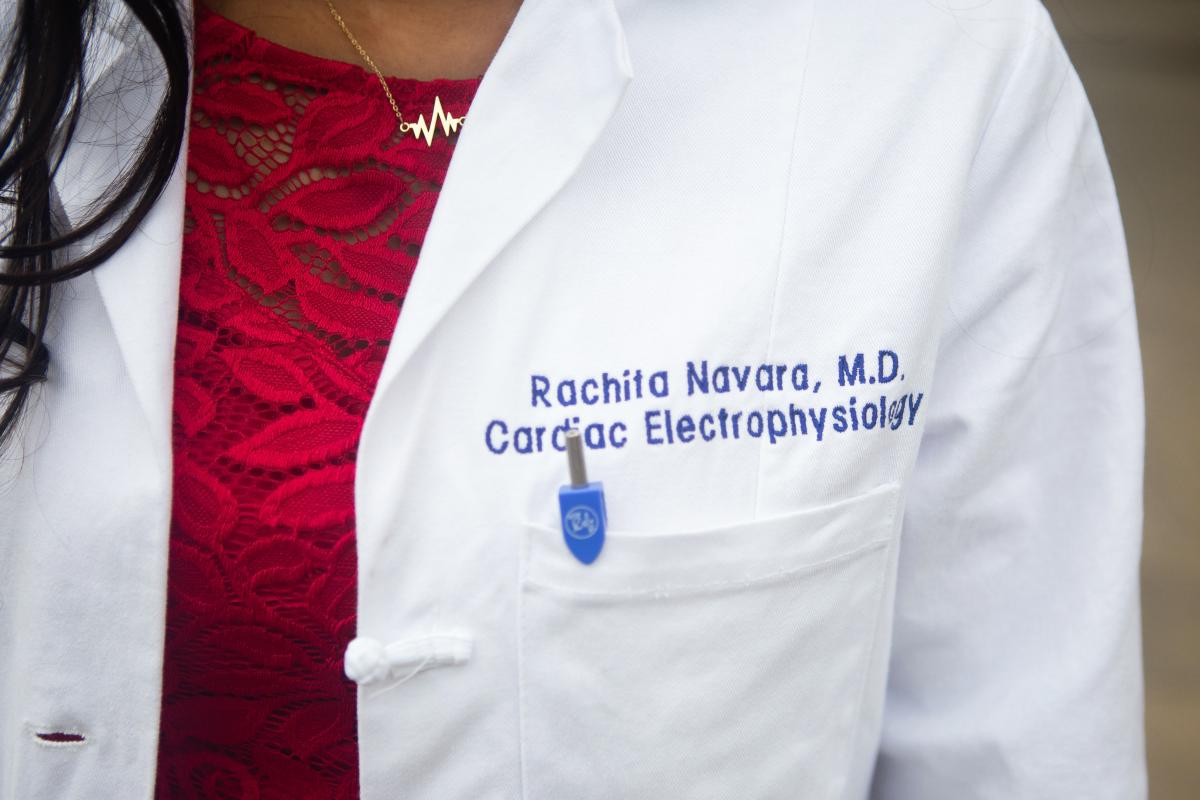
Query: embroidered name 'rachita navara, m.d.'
[[881, 408]]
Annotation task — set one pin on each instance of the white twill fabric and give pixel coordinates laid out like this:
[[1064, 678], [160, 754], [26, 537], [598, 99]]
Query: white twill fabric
[[838, 294]]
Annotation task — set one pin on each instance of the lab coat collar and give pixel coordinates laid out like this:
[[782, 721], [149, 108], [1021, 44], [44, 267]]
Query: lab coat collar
[[551, 88]]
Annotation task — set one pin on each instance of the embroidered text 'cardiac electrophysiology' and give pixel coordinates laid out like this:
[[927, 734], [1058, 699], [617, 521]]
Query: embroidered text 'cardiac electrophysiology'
[[878, 403]]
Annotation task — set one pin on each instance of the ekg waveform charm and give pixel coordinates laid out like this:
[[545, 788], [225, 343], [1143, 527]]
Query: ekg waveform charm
[[440, 117]]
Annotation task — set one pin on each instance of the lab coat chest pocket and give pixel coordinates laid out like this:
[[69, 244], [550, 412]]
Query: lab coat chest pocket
[[718, 663]]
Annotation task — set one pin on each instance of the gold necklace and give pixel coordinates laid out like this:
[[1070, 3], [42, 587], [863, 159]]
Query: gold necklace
[[419, 129]]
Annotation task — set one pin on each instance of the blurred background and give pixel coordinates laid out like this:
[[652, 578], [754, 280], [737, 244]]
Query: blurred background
[[1140, 64]]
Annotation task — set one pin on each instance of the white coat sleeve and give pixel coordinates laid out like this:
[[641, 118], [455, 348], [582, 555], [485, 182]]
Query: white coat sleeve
[[1015, 671]]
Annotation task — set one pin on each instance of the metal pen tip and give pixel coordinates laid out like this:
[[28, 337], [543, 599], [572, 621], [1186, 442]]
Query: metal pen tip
[[575, 463]]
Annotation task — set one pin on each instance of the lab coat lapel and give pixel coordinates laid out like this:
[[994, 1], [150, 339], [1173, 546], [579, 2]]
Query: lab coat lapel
[[140, 288], [548, 93], [139, 284]]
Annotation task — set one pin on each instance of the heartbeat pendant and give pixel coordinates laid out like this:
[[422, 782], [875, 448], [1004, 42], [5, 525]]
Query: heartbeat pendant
[[439, 118]]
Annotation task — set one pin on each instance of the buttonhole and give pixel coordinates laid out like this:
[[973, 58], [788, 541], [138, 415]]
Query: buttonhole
[[60, 737]]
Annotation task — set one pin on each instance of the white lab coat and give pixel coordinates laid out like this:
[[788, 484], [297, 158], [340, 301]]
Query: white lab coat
[[910, 578]]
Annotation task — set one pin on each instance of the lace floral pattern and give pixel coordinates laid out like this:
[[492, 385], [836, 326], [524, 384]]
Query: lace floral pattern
[[306, 210]]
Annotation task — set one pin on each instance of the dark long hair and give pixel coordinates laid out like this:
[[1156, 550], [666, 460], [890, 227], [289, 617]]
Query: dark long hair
[[42, 93]]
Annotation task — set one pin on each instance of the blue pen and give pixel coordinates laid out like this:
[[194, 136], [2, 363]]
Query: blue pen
[[582, 506]]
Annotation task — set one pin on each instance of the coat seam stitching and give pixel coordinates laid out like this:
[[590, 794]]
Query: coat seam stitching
[[688, 589], [783, 230]]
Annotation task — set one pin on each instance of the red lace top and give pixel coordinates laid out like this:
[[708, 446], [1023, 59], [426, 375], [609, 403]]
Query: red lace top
[[306, 210]]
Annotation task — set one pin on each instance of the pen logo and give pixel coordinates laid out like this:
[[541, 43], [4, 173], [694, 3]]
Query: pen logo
[[581, 522]]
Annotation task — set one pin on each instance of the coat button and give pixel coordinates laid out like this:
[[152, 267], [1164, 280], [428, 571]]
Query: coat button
[[366, 661], [369, 661]]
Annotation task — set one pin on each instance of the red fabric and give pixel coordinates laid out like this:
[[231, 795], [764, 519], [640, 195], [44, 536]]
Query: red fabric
[[306, 209]]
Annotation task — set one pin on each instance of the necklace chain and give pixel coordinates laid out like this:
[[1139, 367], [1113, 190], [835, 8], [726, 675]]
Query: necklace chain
[[420, 129]]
